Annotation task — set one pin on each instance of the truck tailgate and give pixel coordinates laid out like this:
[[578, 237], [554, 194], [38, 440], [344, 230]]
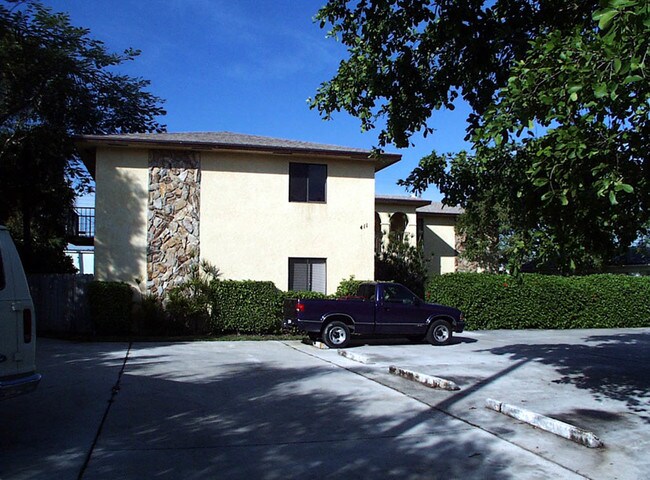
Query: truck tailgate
[[289, 309]]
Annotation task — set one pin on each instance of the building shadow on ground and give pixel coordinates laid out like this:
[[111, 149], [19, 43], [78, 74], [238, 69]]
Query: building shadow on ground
[[260, 420]]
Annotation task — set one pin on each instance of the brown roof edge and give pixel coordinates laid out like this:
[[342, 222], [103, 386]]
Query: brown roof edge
[[90, 143], [402, 200]]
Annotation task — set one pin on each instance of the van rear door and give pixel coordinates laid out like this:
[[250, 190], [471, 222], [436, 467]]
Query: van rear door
[[8, 316], [18, 329]]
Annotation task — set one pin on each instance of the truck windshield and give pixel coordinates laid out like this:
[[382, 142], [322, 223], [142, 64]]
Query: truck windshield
[[399, 294]]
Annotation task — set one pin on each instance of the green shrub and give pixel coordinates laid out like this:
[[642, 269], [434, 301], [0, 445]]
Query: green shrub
[[491, 301], [302, 294], [149, 317], [187, 314], [110, 307], [191, 305], [349, 287], [246, 307]]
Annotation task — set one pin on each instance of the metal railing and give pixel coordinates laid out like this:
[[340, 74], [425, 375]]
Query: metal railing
[[85, 221], [81, 225]]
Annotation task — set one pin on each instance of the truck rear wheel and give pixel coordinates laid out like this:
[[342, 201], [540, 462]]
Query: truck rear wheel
[[336, 335], [439, 333]]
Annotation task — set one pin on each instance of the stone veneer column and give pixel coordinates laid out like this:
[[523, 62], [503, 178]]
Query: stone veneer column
[[463, 265], [173, 218]]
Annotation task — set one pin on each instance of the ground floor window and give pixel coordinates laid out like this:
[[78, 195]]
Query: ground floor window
[[308, 274]]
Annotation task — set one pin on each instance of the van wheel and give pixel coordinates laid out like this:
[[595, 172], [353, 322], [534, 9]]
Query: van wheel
[[336, 335], [439, 333]]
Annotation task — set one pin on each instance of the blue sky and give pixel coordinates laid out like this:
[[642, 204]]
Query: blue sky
[[245, 66]]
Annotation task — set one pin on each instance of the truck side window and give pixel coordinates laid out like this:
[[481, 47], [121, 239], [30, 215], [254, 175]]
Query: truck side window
[[2, 273], [367, 292], [398, 294], [390, 295]]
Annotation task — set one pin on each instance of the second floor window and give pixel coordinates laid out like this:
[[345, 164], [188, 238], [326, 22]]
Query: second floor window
[[307, 182]]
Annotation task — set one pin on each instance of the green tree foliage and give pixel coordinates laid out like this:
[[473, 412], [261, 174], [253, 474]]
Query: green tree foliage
[[56, 82], [400, 261], [559, 91]]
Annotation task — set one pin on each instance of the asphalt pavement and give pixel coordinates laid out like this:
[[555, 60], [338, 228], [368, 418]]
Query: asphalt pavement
[[287, 409]]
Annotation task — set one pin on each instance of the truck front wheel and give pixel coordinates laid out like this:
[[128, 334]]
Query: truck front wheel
[[336, 335], [439, 333]]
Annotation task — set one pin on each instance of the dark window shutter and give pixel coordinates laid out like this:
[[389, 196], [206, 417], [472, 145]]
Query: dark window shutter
[[317, 182], [298, 179]]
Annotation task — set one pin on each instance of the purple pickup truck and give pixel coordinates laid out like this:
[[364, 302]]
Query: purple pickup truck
[[378, 309]]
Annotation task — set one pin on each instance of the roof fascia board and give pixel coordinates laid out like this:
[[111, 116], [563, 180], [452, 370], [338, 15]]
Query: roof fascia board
[[383, 161], [413, 203]]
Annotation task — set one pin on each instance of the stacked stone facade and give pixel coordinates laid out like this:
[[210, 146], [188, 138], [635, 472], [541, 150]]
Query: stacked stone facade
[[173, 245], [462, 264]]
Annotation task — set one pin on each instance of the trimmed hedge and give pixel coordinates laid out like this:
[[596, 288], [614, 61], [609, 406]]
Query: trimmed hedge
[[110, 307], [491, 301], [302, 294], [245, 307]]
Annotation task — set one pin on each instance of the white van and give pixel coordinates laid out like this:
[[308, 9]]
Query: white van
[[17, 324]]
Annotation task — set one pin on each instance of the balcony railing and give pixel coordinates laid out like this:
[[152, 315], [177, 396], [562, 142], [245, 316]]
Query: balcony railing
[[81, 226]]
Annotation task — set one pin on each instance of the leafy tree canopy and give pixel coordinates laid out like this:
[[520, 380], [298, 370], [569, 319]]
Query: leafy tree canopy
[[56, 82], [400, 261], [559, 91]]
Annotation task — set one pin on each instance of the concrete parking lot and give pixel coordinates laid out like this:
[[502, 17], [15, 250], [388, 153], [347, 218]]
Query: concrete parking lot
[[287, 409]]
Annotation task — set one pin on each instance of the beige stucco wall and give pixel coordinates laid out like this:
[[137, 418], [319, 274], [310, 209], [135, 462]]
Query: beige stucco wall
[[438, 242], [121, 214], [249, 229], [386, 210]]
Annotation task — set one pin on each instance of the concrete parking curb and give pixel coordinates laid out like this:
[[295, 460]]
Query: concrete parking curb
[[428, 380], [548, 424], [317, 344], [357, 357]]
